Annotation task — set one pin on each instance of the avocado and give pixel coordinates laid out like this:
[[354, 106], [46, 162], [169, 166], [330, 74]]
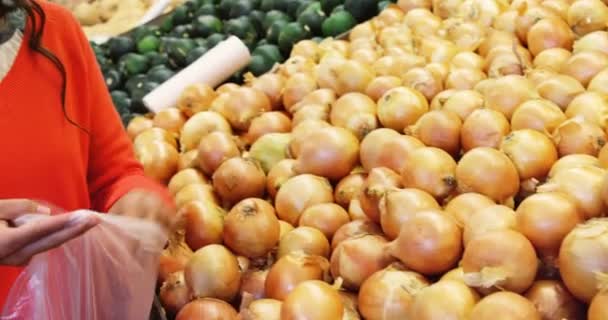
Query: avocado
[[206, 25], [338, 23], [119, 46], [291, 34]]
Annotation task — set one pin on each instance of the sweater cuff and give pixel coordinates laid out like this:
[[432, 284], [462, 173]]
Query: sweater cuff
[[128, 184]]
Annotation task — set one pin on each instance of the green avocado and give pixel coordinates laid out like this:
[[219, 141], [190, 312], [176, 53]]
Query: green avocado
[[133, 63], [113, 78], [195, 54], [149, 43], [313, 17], [206, 25], [291, 34], [119, 46], [338, 23], [159, 74]]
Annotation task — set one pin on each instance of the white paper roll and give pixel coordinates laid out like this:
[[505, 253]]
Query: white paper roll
[[213, 68]]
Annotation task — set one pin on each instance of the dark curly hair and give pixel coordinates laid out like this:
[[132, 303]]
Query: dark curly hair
[[37, 18]]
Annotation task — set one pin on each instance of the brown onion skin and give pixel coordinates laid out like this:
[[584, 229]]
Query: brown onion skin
[[577, 136], [388, 293], [185, 177], [597, 308], [439, 129], [251, 228], [138, 125], [271, 84], [214, 149], [174, 293], [554, 302], [511, 305], [253, 283], [446, 299], [292, 269], [187, 160], [442, 240], [239, 178], [267, 309], [506, 249], [549, 33], [355, 259], [312, 300], [532, 153], [401, 107], [583, 66], [305, 239], [353, 229], [560, 89], [463, 206], [463, 103], [537, 114], [386, 148], [574, 161], [217, 276], [204, 224], [173, 259], [349, 188], [268, 122], [195, 191], [329, 152], [196, 98], [278, 174], [483, 128], [326, 217], [399, 205], [170, 119], [208, 309], [300, 192], [488, 219], [431, 170], [380, 85], [378, 182], [498, 185]]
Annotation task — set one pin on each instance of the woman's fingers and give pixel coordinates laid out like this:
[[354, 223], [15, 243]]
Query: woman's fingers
[[12, 208], [75, 226]]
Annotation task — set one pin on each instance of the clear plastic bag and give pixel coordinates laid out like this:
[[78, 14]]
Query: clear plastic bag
[[107, 273]]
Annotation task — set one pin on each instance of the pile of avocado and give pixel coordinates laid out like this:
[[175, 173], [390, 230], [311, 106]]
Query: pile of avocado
[[136, 63]]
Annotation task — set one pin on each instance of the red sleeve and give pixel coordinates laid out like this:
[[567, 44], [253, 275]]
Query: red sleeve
[[112, 167]]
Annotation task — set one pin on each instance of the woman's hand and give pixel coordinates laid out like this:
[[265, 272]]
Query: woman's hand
[[145, 205], [19, 244]]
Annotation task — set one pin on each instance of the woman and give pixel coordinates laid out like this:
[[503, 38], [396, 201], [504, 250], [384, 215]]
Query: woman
[[61, 140]]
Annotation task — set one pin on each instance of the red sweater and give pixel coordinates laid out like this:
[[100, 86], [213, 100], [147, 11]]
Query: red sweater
[[46, 158]]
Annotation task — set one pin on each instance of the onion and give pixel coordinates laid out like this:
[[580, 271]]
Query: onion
[[552, 59], [560, 89], [355, 212], [299, 193], [463, 103], [213, 272], [269, 149], [326, 217], [387, 148], [174, 293], [442, 241], [365, 56], [464, 79], [422, 21], [602, 157], [285, 227], [550, 32], [159, 160], [318, 97], [506, 21], [195, 192], [502, 259], [268, 122], [508, 304], [597, 308], [435, 49], [537, 76], [466, 60], [553, 301], [505, 94], [431, 170], [537, 114], [582, 259], [199, 126], [355, 112], [390, 15], [208, 309], [278, 174], [446, 8], [378, 182], [226, 87], [365, 30], [296, 88], [401, 107], [251, 228], [439, 69], [398, 206], [204, 224], [483, 12], [388, 293], [306, 239], [573, 161], [497, 38], [596, 40], [312, 299], [587, 16], [422, 80], [408, 5], [463, 206], [305, 48], [441, 98], [215, 148], [300, 132], [239, 178], [187, 160], [271, 84], [253, 284], [173, 259], [296, 64], [354, 229], [311, 112], [583, 184], [466, 35], [599, 82], [579, 136], [244, 104], [183, 178], [349, 188], [591, 106], [391, 65], [532, 153], [446, 299], [505, 63], [196, 98], [263, 309], [291, 270], [152, 135], [454, 275], [488, 219], [344, 76], [170, 119], [380, 85], [439, 129], [138, 125], [583, 66]]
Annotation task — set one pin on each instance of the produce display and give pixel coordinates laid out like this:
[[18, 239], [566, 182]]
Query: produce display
[[135, 64], [447, 161]]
